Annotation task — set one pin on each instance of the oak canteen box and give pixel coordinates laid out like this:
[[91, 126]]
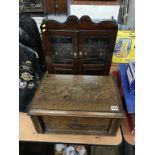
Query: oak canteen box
[[77, 104]]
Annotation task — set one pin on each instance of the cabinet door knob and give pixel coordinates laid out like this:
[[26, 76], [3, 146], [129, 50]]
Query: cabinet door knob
[[75, 55], [100, 54], [85, 53], [56, 6], [80, 53]]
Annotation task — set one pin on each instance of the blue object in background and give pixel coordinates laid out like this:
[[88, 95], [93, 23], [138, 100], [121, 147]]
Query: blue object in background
[[131, 75], [128, 94]]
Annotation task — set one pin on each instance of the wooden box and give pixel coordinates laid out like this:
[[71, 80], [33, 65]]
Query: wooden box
[[77, 104]]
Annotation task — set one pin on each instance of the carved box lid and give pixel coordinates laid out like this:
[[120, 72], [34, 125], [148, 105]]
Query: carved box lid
[[80, 95]]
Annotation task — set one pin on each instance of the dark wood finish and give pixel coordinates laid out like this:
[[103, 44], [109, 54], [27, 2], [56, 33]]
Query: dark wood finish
[[114, 126], [73, 23], [96, 48], [27, 132], [63, 60], [61, 7], [77, 104], [90, 44], [56, 7], [75, 92], [76, 125], [49, 7]]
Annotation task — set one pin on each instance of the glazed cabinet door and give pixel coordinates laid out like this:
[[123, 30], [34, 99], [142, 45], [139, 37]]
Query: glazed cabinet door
[[95, 52], [61, 51]]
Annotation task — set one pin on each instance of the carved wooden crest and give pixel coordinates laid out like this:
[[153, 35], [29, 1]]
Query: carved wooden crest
[[85, 22]]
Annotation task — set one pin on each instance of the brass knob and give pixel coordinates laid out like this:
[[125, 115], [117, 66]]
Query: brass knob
[[85, 53], [80, 53], [56, 6], [100, 54], [43, 30], [75, 54], [44, 25]]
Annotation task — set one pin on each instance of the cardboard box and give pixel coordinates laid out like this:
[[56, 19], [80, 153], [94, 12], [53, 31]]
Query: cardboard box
[[125, 47]]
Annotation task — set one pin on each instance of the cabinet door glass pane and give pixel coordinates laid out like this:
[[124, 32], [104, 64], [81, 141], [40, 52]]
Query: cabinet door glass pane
[[94, 49], [61, 49]]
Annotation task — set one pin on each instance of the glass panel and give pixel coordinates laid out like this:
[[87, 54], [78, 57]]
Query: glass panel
[[95, 49], [61, 49], [30, 5]]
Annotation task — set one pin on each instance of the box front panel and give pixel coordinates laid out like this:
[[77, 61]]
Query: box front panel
[[76, 125]]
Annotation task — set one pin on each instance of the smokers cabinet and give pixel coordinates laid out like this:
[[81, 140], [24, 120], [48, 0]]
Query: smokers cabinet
[[79, 46]]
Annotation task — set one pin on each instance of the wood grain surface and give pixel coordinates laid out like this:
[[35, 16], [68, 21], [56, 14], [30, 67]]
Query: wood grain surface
[[79, 93], [28, 133], [77, 104]]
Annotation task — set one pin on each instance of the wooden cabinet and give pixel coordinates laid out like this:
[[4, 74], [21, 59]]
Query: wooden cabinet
[[79, 46], [56, 7]]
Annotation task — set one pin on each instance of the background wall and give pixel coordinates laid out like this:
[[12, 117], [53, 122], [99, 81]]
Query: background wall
[[97, 12]]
